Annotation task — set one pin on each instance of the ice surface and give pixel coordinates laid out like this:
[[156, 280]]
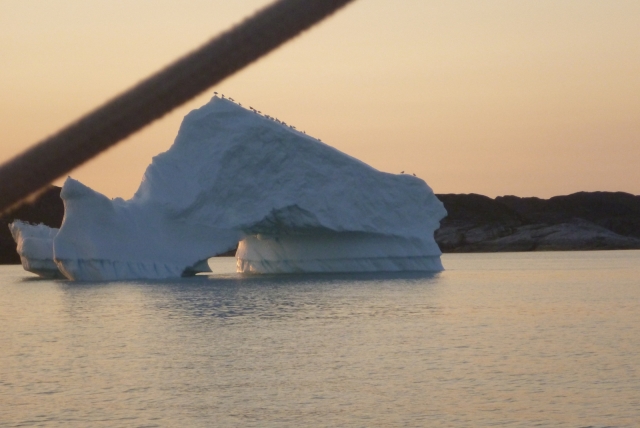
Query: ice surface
[[35, 248], [232, 175], [335, 252]]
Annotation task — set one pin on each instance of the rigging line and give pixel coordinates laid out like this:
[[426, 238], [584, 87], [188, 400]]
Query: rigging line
[[30, 171]]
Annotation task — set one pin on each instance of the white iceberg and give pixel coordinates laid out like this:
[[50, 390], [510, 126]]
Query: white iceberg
[[236, 178], [35, 248]]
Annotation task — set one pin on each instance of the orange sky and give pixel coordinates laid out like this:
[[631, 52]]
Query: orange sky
[[532, 98]]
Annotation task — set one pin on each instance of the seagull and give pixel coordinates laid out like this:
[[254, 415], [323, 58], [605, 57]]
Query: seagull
[[215, 93], [293, 127], [222, 95], [401, 172], [231, 99], [414, 175]]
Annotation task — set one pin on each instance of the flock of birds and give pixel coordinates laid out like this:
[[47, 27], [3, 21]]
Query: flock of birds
[[275, 119]]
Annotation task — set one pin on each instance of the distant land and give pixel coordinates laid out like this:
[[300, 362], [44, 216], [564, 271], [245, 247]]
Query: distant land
[[580, 221], [475, 223]]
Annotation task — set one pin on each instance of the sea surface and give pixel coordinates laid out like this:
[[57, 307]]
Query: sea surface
[[513, 339]]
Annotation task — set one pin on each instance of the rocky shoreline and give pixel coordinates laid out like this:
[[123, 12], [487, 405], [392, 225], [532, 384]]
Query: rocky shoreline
[[475, 223], [580, 221]]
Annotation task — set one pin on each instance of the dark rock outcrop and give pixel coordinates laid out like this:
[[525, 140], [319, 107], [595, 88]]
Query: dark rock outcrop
[[580, 221], [616, 211]]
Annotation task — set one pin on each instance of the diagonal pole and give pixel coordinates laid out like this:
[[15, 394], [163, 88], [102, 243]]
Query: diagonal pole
[[30, 171]]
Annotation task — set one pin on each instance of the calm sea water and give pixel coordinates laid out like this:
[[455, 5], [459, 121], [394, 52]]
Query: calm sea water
[[520, 339]]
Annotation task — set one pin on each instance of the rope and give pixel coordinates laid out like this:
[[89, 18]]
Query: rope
[[29, 172]]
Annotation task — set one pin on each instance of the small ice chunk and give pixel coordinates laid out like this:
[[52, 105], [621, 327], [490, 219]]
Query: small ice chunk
[[35, 248]]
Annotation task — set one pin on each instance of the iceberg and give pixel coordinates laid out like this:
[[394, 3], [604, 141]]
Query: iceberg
[[234, 177], [35, 248]]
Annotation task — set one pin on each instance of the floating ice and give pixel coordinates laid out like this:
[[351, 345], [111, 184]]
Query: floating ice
[[35, 248], [233, 176]]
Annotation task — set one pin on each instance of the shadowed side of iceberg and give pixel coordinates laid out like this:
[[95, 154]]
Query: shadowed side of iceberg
[[102, 239], [110, 270]]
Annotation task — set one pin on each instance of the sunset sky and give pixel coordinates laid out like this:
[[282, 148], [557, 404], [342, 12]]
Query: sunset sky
[[497, 97]]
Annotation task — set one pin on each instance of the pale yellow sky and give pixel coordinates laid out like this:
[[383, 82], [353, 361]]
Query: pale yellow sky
[[528, 97]]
